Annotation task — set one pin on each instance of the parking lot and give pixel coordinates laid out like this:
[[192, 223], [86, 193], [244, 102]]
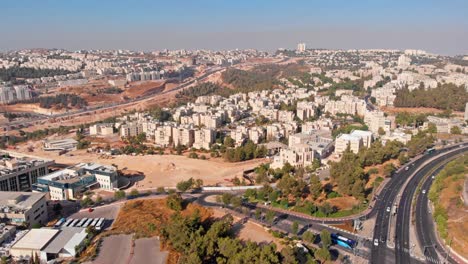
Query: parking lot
[[108, 211]]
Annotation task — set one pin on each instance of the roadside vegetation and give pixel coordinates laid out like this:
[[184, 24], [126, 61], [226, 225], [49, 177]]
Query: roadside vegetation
[[450, 211]]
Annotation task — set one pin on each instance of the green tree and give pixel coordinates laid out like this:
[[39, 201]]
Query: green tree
[[325, 237], [381, 131], [315, 186], [308, 236], [134, 192], [118, 195], [431, 128], [323, 255], [455, 130], [270, 217], [174, 202], [295, 227]]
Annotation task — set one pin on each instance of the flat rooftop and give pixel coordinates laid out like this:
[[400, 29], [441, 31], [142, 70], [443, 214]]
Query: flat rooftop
[[11, 162], [36, 239], [19, 200]]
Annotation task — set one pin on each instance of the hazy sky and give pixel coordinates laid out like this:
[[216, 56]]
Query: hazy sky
[[439, 26]]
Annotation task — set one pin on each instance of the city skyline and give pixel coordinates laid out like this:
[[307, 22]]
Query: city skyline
[[436, 27]]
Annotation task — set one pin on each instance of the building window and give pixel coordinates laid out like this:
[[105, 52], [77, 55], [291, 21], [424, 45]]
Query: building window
[[13, 184], [4, 185]]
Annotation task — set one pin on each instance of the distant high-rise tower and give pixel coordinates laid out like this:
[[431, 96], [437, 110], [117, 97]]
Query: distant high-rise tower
[[301, 47], [466, 111]]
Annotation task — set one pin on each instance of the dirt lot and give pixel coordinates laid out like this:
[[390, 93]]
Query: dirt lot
[[457, 215], [165, 170], [250, 231]]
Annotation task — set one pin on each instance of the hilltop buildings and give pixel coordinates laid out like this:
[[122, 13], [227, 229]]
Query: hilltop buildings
[[14, 94], [18, 172], [72, 182]]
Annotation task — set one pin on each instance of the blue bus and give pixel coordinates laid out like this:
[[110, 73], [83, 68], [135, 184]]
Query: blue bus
[[343, 241]]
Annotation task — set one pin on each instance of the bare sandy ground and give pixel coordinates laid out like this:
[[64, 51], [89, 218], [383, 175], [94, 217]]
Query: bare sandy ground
[[159, 170], [250, 231]]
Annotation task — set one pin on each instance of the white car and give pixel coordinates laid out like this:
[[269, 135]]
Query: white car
[[424, 191], [376, 242], [388, 209]]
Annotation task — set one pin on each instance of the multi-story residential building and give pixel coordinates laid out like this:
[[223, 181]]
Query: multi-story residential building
[[72, 182], [20, 208], [104, 129], [344, 140], [14, 94], [18, 172], [347, 105], [183, 136], [466, 112], [377, 119], [204, 138], [300, 155], [443, 125], [163, 136], [131, 129], [366, 136], [321, 144], [305, 110]]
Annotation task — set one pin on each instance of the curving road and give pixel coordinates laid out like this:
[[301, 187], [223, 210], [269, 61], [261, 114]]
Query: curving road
[[425, 227], [380, 252], [402, 243]]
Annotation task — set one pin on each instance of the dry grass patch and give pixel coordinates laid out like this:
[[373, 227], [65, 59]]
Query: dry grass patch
[[144, 218], [457, 224]]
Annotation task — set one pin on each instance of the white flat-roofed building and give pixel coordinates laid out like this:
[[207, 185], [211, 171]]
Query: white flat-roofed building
[[19, 171], [344, 140], [104, 129], [23, 207], [365, 135], [71, 182], [32, 243], [60, 144], [299, 155]]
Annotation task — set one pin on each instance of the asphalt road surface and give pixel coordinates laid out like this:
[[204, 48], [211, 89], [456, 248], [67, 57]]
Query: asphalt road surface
[[402, 242], [380, 252]]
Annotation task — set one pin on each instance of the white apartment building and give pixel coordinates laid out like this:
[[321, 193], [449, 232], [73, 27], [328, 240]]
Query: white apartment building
[[300, 155], [104, 129], [131, 129], [305, 110], [183, 136], [204, 138], [344, 140], [347, 105], [163, 136], [14, 94], [377, 119]]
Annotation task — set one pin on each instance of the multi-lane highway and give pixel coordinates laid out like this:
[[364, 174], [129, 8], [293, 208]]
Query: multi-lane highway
[[402, 240], [89, 110], [385, 201], [425, 229]]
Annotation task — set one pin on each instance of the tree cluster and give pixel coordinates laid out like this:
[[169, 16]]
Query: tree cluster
[[247, 151], [445, 96], [13, 73], [348, 173]]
